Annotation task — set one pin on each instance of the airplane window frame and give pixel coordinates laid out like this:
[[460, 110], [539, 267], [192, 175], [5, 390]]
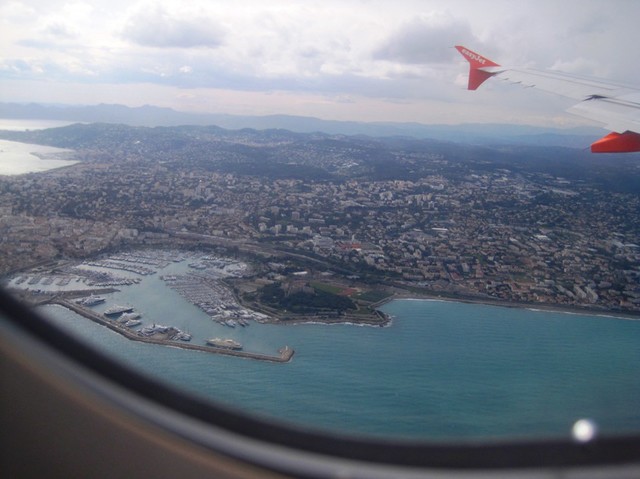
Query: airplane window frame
[[257, 440]]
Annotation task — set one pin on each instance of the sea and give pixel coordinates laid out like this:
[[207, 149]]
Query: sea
[[441, 371], [20, 158]]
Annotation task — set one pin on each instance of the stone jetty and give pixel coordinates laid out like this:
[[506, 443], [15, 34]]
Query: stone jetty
[[285, 353]]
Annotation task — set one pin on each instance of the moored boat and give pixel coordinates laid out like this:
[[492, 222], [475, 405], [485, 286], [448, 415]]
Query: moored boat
[[91, 300], [182, 336], [117, 310], [225, 343], [129, 316]]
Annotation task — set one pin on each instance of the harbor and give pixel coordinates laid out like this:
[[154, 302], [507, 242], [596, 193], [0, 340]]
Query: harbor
[[88, 288], [163, 339]]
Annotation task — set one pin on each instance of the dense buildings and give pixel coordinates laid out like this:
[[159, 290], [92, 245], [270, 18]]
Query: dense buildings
[[525, 225]]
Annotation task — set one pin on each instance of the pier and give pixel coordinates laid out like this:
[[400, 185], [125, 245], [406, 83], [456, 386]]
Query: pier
[[286, 353]]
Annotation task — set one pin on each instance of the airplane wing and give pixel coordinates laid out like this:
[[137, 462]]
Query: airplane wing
[[617, 106]]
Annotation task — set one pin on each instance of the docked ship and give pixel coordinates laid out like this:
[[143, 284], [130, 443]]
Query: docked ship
[[129, 316], [117, 310], [90, 300], [225, 344], [149, 331], [181, 335]]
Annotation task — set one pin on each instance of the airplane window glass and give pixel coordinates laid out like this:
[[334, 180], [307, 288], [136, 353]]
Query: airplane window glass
[[302, 212]]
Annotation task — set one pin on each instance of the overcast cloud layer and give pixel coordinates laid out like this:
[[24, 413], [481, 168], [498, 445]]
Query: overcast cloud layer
[[336, 59]]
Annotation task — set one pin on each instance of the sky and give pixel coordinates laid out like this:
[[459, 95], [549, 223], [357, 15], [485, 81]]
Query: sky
[[361, 60]]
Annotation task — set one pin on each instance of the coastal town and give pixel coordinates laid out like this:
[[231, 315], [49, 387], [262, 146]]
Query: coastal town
[[452, 228]]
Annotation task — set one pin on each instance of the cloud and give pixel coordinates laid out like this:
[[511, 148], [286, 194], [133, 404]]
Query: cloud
[[426, 39], [155, 27], [59, 30], [335, 51], [16, 66], [17, 12]]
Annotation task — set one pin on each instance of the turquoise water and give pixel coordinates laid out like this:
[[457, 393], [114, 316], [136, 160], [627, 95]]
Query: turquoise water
[[441, 371]]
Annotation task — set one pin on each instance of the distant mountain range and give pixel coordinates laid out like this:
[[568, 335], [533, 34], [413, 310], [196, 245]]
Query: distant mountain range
[[482, 134]]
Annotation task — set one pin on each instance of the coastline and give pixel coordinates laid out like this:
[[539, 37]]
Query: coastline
[[369, 313], [542, 307], [22, 158], [382, 380], [384, 320]]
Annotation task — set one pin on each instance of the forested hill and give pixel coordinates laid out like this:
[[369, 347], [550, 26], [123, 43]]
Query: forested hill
[[320, 156]]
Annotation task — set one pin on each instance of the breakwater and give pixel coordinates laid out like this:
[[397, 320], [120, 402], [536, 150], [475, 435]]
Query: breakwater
[[285, 353]]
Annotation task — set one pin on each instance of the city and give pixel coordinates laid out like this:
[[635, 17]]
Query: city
[[427, 217]]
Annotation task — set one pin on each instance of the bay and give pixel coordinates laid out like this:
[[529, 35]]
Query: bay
[[19, 158], [442, 370]]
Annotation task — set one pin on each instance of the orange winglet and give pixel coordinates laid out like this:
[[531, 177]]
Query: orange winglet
[[617, 143], [477, 76]]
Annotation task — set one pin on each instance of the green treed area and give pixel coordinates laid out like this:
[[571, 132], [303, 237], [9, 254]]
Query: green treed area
[[327, 288], [372, 296], [304, 299]]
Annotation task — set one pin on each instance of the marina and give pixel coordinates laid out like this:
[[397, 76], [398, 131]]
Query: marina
[[169, 336], [214, 298], [198, 278]]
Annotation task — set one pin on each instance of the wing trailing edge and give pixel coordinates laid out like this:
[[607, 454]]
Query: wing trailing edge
[[618, 107]]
